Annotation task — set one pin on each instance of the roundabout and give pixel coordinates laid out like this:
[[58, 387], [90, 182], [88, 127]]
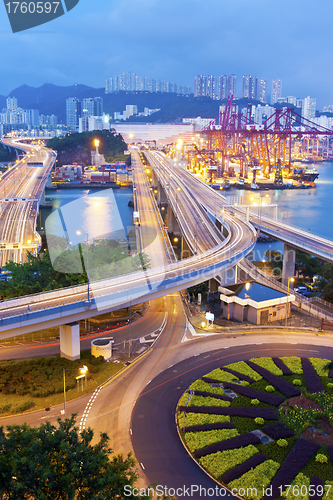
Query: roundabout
[[256, 429]]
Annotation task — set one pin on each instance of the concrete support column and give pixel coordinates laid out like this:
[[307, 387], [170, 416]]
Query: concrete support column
[[70, 341], [213, 285], [288, 269], [229, 277], [161, 196], [173, 226], [185, 250]]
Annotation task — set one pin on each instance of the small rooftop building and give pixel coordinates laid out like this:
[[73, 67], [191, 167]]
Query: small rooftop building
[[254, 303]]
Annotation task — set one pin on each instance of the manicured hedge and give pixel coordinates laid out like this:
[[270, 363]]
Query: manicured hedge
[[244, 368], [277, 430], [202, 440], [257, 478], [210, 395], [265, 397], [283, 367], [316, 481], [209, 427], [239, 375], [312, 380], [296, 459], [241, 411], [220, 462], [267, 363], [229, 444], [279, 383], [241, 469]]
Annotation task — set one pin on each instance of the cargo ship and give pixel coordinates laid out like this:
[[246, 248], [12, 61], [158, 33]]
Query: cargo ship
[[305, 174]]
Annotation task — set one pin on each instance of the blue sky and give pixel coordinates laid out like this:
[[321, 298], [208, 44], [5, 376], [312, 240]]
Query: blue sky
[[174, 41]]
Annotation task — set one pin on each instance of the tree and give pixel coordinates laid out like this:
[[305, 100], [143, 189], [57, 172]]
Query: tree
[[275, 261], [325, 283], [308, 265], [57, 462]]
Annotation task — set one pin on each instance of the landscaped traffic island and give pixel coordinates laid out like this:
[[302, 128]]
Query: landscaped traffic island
[[264, 427]]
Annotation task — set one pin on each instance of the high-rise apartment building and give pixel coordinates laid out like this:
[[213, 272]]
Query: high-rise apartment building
[[246, 87], [211, 87], [250, 87], [262, 90], [231, 85], [309, 107], [129, 81], [73, 113], [199, 86], [11, 103], [276, 90], [222, 90]]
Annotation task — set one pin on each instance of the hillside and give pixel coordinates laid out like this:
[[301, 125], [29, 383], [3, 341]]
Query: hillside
[[76, 148], [51, 99]]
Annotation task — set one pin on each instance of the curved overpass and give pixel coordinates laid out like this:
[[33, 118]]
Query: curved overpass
[[21, 189], [68, 305]]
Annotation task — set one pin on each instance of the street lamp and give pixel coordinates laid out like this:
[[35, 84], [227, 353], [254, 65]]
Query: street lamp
[[87, 270], [290, 279], [83, 372]]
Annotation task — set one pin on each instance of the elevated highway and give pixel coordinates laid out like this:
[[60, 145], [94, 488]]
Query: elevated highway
[[21, 190], [71, 304]]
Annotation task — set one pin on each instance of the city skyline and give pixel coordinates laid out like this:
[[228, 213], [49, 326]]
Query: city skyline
[[175, 42]]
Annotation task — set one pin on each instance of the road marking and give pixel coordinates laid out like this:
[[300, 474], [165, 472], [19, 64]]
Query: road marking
[[131, 432], [142, 465]]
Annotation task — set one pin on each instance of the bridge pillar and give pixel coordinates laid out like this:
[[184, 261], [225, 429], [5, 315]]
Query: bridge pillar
[[185, 249], [70, 341], [213, 285], [229, 277], [288, 268], [161, 196], [173, 226]]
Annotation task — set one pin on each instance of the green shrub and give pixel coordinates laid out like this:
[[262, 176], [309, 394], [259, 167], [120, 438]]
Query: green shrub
[[329, 385], [269, 388], [201, 439], [283, 443], [245, 383], [218, 463], [268, 364], [259, 421], [255, 402], [296, 492], [321, 458], [297, 382]]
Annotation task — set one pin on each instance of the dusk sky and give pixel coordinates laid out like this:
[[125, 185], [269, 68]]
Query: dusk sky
[[176, 40]]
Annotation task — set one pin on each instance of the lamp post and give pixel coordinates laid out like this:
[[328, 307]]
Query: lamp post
[[290, 279], [83, 372]]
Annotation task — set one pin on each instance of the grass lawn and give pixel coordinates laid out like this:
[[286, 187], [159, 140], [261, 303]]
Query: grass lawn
[[29, 385]]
